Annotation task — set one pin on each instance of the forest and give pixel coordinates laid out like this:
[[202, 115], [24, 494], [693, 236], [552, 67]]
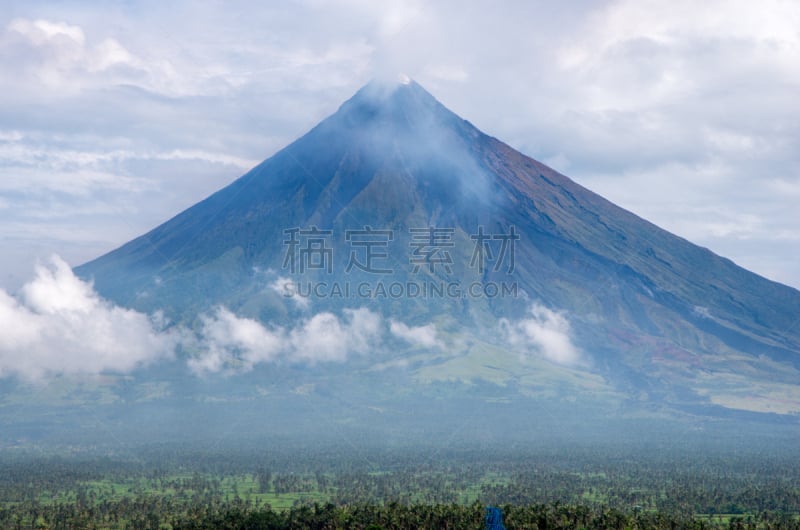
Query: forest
[[305, 485]]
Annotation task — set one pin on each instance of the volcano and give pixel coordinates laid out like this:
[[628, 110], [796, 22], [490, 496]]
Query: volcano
[[536, 288]]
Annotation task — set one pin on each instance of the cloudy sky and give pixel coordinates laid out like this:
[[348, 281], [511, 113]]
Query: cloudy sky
[[115, 116]]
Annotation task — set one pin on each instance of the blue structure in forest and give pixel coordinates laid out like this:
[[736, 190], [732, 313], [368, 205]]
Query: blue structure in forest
[[494, 518]]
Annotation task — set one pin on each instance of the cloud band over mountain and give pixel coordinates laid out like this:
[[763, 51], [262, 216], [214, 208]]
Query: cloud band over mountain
[[57, 325]]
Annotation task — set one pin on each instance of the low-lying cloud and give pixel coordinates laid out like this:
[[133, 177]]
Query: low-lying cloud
[[546, 333], [285, 287], [228, 343], [325, 337], [59, 325], [424, 336]]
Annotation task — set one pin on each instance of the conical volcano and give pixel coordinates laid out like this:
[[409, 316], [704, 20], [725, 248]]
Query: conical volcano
[[535, 285]]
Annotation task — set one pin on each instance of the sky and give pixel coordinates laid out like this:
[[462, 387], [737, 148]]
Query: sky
[[115, 116]]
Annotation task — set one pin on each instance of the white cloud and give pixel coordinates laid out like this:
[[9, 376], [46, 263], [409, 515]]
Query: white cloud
[[57, 54], [11, 136], [41, 32], [702, 312], [425, 336], [325, 337], [59, 325], [447, 72], [29, 166], [287, 288], [545, 333], [58, 59], [231, 344]]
